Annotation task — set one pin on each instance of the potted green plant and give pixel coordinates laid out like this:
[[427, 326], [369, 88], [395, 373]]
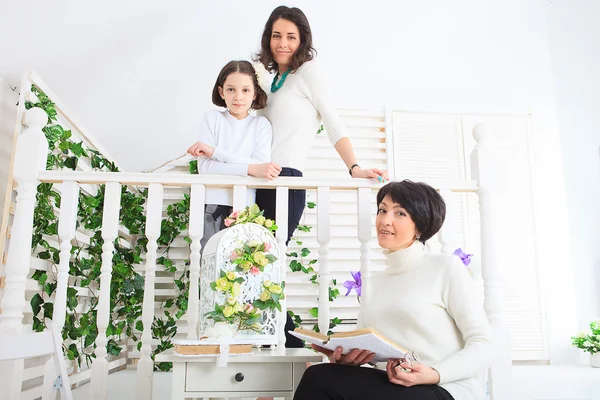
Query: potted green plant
[[590, 342]]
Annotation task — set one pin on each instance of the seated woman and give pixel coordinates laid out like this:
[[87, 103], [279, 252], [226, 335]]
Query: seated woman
[[423, 301]]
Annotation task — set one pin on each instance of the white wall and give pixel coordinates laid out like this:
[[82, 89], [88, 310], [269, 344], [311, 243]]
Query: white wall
[[139, 76], [574, 37], [8, 114]]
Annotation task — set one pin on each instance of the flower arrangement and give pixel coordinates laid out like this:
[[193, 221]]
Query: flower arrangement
[[253, 257], [589, 341], [250, 259], [250, 214]]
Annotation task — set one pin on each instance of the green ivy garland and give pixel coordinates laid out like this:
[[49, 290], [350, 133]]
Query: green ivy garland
[[127, 286]]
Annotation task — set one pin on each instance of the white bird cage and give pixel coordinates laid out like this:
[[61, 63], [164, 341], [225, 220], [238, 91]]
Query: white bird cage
[[217, 257]]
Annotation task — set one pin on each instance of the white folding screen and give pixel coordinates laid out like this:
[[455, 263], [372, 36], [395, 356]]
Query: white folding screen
[[437, 146]]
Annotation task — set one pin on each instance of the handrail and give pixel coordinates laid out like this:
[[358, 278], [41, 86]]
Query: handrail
[[141, 179]]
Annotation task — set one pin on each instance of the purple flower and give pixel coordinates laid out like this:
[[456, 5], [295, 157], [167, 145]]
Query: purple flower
[[464, 257], [355, 284]]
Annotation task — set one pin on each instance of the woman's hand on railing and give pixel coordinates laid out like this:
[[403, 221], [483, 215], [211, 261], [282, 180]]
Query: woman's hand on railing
[[411, 374], [201, 149], [355, 357], [266, 170], [375, 173]]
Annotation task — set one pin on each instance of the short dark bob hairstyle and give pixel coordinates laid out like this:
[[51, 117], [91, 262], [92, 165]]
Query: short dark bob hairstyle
[[243, 67], [422, 202], [305, 51]]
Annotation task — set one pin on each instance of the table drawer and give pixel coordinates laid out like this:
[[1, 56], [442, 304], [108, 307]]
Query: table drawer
[[207, 377]]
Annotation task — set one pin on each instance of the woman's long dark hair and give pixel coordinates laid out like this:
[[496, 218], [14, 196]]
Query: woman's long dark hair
[[305, 51]]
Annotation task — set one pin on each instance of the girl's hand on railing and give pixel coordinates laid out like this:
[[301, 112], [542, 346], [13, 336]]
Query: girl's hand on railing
[[376, 173], [410, 374], [355, 357], [201, 149], [267, 170]]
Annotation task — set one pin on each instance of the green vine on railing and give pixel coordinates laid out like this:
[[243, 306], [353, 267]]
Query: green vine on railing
[[127, 285]]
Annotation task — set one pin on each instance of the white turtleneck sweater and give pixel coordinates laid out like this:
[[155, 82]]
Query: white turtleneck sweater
[[427, 303], [295, 112]]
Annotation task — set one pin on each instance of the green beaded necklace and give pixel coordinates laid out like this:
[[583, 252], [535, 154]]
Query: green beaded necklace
[[274, 85]]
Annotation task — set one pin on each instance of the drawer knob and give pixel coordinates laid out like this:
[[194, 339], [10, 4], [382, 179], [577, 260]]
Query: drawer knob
[[239, 377]]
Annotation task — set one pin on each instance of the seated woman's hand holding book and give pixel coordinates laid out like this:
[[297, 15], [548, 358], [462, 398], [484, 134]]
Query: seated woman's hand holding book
[[354, 357]]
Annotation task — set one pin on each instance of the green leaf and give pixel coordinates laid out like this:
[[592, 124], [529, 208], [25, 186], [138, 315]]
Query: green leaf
[[305, 252], [113, 348], [295, 266], [48, 310], [193, 167], [71, 162], [36, 303], [89, 340], [311, 205], [139, 325], [72, 298], [314, 312], [77, 149]]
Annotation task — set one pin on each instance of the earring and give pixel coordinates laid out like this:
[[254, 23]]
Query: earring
[[418, 236]]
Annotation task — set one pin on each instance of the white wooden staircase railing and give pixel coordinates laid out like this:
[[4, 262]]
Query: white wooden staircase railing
[[491, 186]]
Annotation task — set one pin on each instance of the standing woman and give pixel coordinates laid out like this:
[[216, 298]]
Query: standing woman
[[298, 101]]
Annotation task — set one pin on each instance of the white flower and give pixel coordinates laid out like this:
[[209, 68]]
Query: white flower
[[263, 76]]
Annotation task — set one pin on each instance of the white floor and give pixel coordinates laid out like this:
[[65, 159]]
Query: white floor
[[539, 382]]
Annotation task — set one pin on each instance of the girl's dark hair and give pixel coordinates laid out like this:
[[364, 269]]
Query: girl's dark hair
[[305, 51], [422, 202], [243, 67]]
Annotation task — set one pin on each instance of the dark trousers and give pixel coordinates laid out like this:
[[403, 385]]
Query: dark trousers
[[265, 199], [345, 382]]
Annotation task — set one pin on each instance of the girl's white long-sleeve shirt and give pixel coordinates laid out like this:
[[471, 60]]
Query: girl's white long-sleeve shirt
[[427, 303], [237, 144], [296, 111]]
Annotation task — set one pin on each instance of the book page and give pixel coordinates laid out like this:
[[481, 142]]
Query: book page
[[367, 339]]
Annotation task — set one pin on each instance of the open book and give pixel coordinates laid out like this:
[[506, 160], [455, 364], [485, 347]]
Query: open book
[[366, 338]]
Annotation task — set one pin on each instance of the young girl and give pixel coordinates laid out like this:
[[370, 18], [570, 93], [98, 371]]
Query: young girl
[[233, 142]]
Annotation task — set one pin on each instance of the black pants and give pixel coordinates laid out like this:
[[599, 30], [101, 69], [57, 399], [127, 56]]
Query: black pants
[[345, 382], [265, 199]]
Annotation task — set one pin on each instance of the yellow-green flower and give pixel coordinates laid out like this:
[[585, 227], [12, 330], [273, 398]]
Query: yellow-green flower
[[246, 265], [268, 223], [275, 289], [228, 311], [258, 257], [264, 262], [253, 243], [260, 220], [265, 295], [237, 308], [222, 284], [236, 289], [231, 275], [267, 283], [253, 209]]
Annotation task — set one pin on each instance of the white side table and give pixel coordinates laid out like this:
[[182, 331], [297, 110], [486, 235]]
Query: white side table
[[264, 372]]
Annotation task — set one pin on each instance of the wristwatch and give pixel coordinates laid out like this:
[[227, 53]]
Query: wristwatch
[[352, 167]]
